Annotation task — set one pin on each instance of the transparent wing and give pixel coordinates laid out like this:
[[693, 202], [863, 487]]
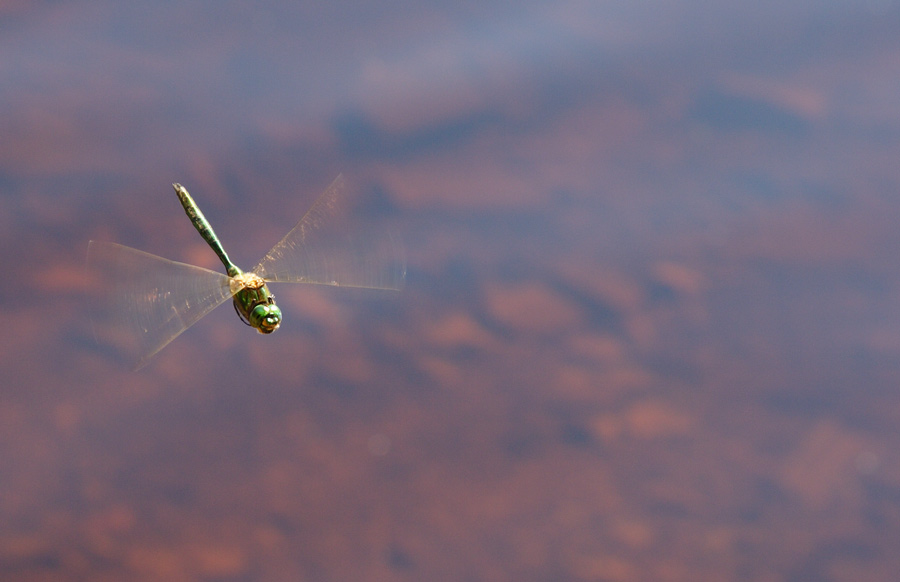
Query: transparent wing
[[145, 301], [335, 244]]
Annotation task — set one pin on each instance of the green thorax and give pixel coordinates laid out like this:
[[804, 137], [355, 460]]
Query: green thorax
[[255, 304], [252, 300]]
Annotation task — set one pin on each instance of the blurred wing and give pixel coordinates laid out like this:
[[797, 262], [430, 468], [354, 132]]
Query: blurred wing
[[335, 245], [145, 301]]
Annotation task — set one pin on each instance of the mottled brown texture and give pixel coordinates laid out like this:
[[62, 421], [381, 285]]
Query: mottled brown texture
[[651, 329]]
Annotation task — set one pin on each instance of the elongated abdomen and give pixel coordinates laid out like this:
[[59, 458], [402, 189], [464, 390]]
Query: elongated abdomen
[[204, 228]]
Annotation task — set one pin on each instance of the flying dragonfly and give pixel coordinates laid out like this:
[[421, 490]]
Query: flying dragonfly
[[148, 301]]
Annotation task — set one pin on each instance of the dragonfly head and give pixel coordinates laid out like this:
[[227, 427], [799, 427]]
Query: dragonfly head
[[266, 317]]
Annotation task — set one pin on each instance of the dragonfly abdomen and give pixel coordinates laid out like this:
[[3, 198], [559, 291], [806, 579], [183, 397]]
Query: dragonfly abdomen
[[204, 228]]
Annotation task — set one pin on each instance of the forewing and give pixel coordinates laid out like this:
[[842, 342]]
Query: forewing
[[335, 244], [145, 301]]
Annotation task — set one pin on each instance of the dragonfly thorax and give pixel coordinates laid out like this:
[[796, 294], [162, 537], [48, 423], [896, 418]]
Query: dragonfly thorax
[[254, 303], [246, 281]]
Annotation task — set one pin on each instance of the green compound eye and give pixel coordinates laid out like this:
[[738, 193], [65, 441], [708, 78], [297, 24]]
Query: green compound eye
[[265, 318]]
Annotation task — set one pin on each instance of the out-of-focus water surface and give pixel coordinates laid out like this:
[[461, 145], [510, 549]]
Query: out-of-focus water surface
[[651, 329]]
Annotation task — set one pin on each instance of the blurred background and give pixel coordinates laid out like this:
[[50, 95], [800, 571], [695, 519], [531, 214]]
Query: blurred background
[[651, 327]]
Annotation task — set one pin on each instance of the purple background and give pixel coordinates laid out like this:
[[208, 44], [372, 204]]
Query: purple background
[[652, 323]]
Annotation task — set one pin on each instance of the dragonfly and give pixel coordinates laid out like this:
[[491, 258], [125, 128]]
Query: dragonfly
[[148, 301]]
